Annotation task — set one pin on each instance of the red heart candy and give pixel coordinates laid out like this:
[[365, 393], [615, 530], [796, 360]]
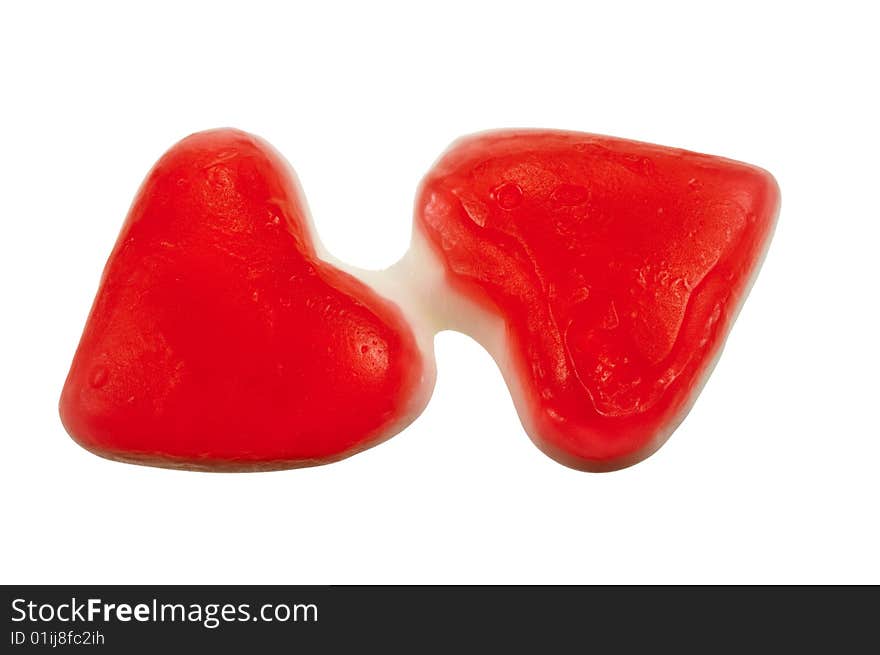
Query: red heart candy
[[616, 267], [218, 339]]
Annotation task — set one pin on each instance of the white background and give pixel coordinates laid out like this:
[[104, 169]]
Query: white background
[[774, 476]]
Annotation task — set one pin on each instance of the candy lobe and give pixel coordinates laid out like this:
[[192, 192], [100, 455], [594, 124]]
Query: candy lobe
[[616, 266]]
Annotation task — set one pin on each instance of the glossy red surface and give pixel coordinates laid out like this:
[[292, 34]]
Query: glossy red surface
[[218, 339], [617, 266]]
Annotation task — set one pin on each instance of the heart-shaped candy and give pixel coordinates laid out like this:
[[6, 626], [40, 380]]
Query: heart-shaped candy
[[219, 339], [613, 268]]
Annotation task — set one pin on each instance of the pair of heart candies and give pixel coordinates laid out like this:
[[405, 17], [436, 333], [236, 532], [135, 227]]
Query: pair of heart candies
[[602, 274]]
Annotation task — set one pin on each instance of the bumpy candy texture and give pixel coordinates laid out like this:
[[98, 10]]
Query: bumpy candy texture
[[220, 339]]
